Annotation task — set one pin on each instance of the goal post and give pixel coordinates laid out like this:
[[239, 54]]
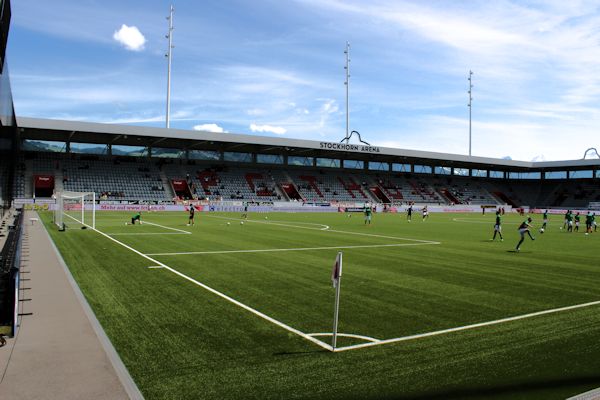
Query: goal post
[[75, 207]]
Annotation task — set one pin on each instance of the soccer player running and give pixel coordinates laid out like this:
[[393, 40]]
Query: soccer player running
[[498, 226], [588, 222], [245, 213], [136, 217], [566, 222], [191, 217], [368, 212], [577, 221], [524, 229], [409, 213], [545, 219], [425, 213], [569, 221]]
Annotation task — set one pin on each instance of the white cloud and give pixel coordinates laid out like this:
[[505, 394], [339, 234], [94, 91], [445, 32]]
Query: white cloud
[[537, 158], [278, 130], [130, 37], [209, 128]]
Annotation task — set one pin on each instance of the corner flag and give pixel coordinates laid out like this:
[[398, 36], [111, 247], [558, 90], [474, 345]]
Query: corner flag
[[337, 270], [336, 279]]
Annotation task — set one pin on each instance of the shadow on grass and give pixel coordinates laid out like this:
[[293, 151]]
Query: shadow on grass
[[520, 389], [300, 353]]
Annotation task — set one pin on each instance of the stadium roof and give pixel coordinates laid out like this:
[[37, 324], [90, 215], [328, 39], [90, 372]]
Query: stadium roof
[[89, 132]]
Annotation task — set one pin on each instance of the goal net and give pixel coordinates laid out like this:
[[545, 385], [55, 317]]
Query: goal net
[[77, 208]]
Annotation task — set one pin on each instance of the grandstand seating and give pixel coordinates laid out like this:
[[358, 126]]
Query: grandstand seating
[[121, 178], [463, 190], [330, 186], [137, 178], [227, 183]]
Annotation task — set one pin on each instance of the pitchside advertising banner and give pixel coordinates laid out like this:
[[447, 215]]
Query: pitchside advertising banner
[[297, 207]]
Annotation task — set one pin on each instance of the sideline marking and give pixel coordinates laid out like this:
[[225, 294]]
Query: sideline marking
[[146, 233], [466, 327], [367, 338], [155, 266], [296, 249], [222, 295]]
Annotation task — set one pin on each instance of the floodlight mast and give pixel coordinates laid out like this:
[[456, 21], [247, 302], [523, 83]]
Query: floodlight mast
[[347, 83], [169, 57], [470, 106]]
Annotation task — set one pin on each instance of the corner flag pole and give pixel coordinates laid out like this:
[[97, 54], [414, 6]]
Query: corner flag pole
[[336, 278]]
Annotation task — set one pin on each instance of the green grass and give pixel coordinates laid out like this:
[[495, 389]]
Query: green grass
[[180, 341]]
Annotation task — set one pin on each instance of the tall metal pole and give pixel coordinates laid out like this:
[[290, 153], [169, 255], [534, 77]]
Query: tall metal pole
[[470, 106], [347, 83], [169, 56]]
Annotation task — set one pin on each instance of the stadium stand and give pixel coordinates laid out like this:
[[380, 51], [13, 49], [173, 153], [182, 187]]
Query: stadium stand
[[159, 179]]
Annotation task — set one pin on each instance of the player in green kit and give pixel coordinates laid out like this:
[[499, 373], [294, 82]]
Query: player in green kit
[[524, 229], [498, 226], [545, 219], [136, 217], [569, 221], [588, 222], [577, 221], [566, 222], [368, 212]]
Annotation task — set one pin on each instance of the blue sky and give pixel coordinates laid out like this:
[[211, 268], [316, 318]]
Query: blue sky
[[275, 68]]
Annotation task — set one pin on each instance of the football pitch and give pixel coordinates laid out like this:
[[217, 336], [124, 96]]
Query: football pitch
[[428, 309]]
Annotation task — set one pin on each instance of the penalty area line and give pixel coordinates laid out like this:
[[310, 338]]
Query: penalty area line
[[467, 327], [167, 227], [277, 223], [222, 295], [327, 229], [292, 249]]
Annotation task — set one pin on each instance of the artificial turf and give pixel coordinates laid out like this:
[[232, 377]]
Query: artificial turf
[[181, 341]]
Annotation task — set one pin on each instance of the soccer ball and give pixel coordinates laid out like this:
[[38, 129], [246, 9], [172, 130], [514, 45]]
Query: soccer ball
[[241, 222], [229, 223], [126, 223], [266, 217], [586, 234], [541, 230]]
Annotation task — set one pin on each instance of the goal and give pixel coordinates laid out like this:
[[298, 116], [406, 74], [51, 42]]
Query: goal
[[75, 208]]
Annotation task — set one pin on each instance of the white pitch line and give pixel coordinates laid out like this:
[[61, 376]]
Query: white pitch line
[[294, 249], [331, 230], [148, 233], [155, 267], [478, 221], [466, 327], [324, 227], [222, 295], [367, 338], [167, 227], [385, 237]]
